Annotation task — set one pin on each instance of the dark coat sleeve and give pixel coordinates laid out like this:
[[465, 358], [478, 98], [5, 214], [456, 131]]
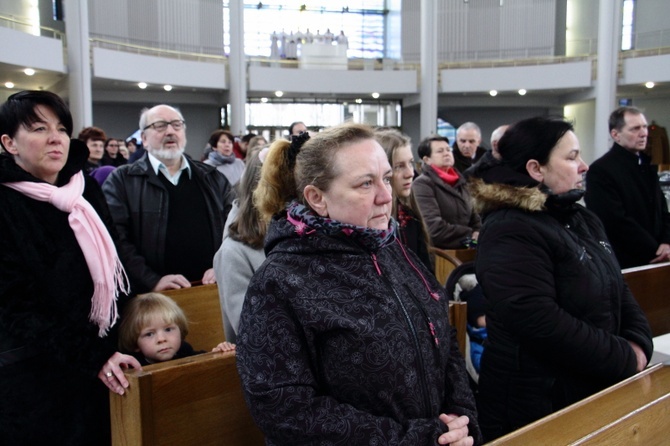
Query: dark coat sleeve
[[515, 266]]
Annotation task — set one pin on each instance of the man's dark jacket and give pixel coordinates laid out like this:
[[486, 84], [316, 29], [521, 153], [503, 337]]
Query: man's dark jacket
[[138, 202], [628, 199], [461, 163]]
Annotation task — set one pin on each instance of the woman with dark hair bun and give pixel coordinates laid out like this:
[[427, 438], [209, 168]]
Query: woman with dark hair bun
[[562, 324]]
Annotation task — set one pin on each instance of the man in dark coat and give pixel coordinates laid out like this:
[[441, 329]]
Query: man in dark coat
[[467, 149], [624, 191], [168, 209]]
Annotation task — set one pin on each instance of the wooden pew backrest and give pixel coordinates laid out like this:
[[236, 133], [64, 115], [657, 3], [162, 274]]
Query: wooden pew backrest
[[650, 284], [458, 318], [189, 401], [446, 260], [203, 310], [634, 411]]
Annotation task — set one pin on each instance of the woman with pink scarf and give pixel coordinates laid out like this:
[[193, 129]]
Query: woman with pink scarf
[[443, 197], [60, 277]]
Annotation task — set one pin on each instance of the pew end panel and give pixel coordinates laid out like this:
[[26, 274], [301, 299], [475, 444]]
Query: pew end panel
[[203, 310], [458, 318], [650, 285], [634, 411], [194, 400]]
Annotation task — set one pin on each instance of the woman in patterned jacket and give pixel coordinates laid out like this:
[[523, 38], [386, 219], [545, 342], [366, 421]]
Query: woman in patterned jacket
[[344, 336]]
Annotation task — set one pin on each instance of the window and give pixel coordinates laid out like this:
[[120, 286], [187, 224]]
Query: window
[[362, 21], [628, 27]]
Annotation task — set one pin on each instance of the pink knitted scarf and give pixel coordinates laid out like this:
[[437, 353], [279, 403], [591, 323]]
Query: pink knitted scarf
[[95, 242]]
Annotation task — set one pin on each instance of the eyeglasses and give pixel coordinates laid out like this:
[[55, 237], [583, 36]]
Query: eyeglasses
[[161, 126], [113, 145]]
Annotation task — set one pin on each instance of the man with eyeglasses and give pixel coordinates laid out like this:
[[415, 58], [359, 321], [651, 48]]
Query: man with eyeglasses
[[168, 209]]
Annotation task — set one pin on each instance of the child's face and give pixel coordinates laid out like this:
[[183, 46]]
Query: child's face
[[159, 341]]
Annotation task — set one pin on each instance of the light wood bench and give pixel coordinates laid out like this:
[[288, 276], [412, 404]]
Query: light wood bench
[[650, 284], [203, 310], [634, 411], [190, 401], [458, 318], [446, 260]]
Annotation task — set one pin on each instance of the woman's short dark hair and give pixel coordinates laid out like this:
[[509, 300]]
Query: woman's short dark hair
[[425, 149], [19, 109], [531, 138], [92, 133], [216, 136]]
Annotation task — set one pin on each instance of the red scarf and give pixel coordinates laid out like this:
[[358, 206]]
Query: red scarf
[[448, 175]]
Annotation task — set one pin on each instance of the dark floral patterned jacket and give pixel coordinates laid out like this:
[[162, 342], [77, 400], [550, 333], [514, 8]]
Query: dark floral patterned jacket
[[344, 339]]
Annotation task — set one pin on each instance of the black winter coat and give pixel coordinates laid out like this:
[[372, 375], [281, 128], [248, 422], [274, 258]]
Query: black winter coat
[[138, 202], [559, 317], [343, 345], [628, 199], [54, 396]]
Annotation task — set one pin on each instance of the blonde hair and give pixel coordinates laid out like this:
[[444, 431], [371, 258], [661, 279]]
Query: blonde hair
[[281, 182], [141, 311]]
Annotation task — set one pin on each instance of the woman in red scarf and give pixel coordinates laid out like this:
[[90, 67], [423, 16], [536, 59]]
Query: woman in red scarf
[[443, 197]]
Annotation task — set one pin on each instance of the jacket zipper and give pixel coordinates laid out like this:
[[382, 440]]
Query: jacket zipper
[[422, 378]]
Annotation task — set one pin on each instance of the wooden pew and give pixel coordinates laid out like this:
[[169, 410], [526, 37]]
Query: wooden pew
[[203, 310], [458, 318], [634, 411], [650, 284], [446, 260], [190, 401]]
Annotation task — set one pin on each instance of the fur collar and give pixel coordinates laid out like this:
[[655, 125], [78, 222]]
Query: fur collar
[[491, 197]]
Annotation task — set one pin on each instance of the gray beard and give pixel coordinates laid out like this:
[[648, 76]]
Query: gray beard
[[167, 154]]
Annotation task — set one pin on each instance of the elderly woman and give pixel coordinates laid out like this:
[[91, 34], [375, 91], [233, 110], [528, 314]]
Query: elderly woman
[[223, 158], [443, 197], [344, 335], [59, 278], [562, 324]]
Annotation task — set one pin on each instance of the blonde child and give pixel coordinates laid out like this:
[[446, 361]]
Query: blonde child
[[153, 329]]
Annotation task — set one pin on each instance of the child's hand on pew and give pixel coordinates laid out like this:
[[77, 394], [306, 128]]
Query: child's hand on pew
[[224, 347]]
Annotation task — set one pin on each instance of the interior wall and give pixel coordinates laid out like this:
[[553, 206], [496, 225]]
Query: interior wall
[[481, 30], [582, 116], [651, 24]]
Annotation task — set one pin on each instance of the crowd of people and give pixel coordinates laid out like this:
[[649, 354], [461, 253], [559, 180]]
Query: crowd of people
[[321, 248]]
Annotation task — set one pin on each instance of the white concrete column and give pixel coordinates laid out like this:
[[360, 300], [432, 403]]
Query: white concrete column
[[609, 45], [429, 67], [237, 68], [75, 14]]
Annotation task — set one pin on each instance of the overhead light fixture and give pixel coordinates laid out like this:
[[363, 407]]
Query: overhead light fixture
[[375, 95], [522, 92], [264, 100], [167, 87], [29, 71], [649, 85], [359, 101], [142, 85], [9, 84], [493, 92], [279, 93]]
